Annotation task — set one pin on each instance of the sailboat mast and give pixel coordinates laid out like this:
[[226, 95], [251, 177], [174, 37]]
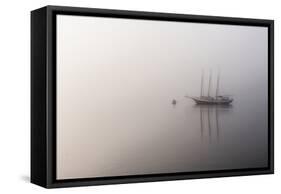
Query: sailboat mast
[[218, 82], [202, 83], [210, 80]]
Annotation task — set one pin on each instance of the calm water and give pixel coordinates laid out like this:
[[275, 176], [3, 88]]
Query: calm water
[[218, 137], [190, 137]]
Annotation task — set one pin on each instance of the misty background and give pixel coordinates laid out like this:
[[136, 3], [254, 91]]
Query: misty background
[[116, 79]]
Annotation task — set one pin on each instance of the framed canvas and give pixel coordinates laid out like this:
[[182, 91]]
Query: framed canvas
[[127, 96]]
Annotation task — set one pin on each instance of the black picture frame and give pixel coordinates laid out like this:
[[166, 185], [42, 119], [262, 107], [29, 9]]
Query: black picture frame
[[43, 95]]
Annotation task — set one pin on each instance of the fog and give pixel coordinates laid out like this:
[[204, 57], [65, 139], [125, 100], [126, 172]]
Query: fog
[[116, 79]]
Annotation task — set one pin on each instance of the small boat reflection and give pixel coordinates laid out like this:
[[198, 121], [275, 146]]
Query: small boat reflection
[[209, 125]]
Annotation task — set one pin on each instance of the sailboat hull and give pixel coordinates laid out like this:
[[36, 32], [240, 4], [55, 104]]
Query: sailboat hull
[[211, 101]]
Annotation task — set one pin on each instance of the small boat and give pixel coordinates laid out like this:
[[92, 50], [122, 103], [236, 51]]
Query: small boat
[[218, 99]]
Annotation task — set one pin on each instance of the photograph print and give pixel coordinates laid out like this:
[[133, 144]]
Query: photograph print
[[144, 97]]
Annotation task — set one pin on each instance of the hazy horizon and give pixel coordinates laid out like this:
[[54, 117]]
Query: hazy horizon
[[116, 79]]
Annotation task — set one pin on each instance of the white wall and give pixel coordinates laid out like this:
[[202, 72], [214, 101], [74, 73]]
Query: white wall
[[15, 95]]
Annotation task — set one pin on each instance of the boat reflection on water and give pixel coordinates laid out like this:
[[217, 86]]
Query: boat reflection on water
[[210, 125]]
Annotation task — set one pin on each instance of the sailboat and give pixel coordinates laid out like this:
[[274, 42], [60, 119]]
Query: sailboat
[[215, 100]]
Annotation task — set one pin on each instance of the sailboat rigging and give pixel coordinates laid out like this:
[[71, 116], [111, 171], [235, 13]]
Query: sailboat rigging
[[217, 99]]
